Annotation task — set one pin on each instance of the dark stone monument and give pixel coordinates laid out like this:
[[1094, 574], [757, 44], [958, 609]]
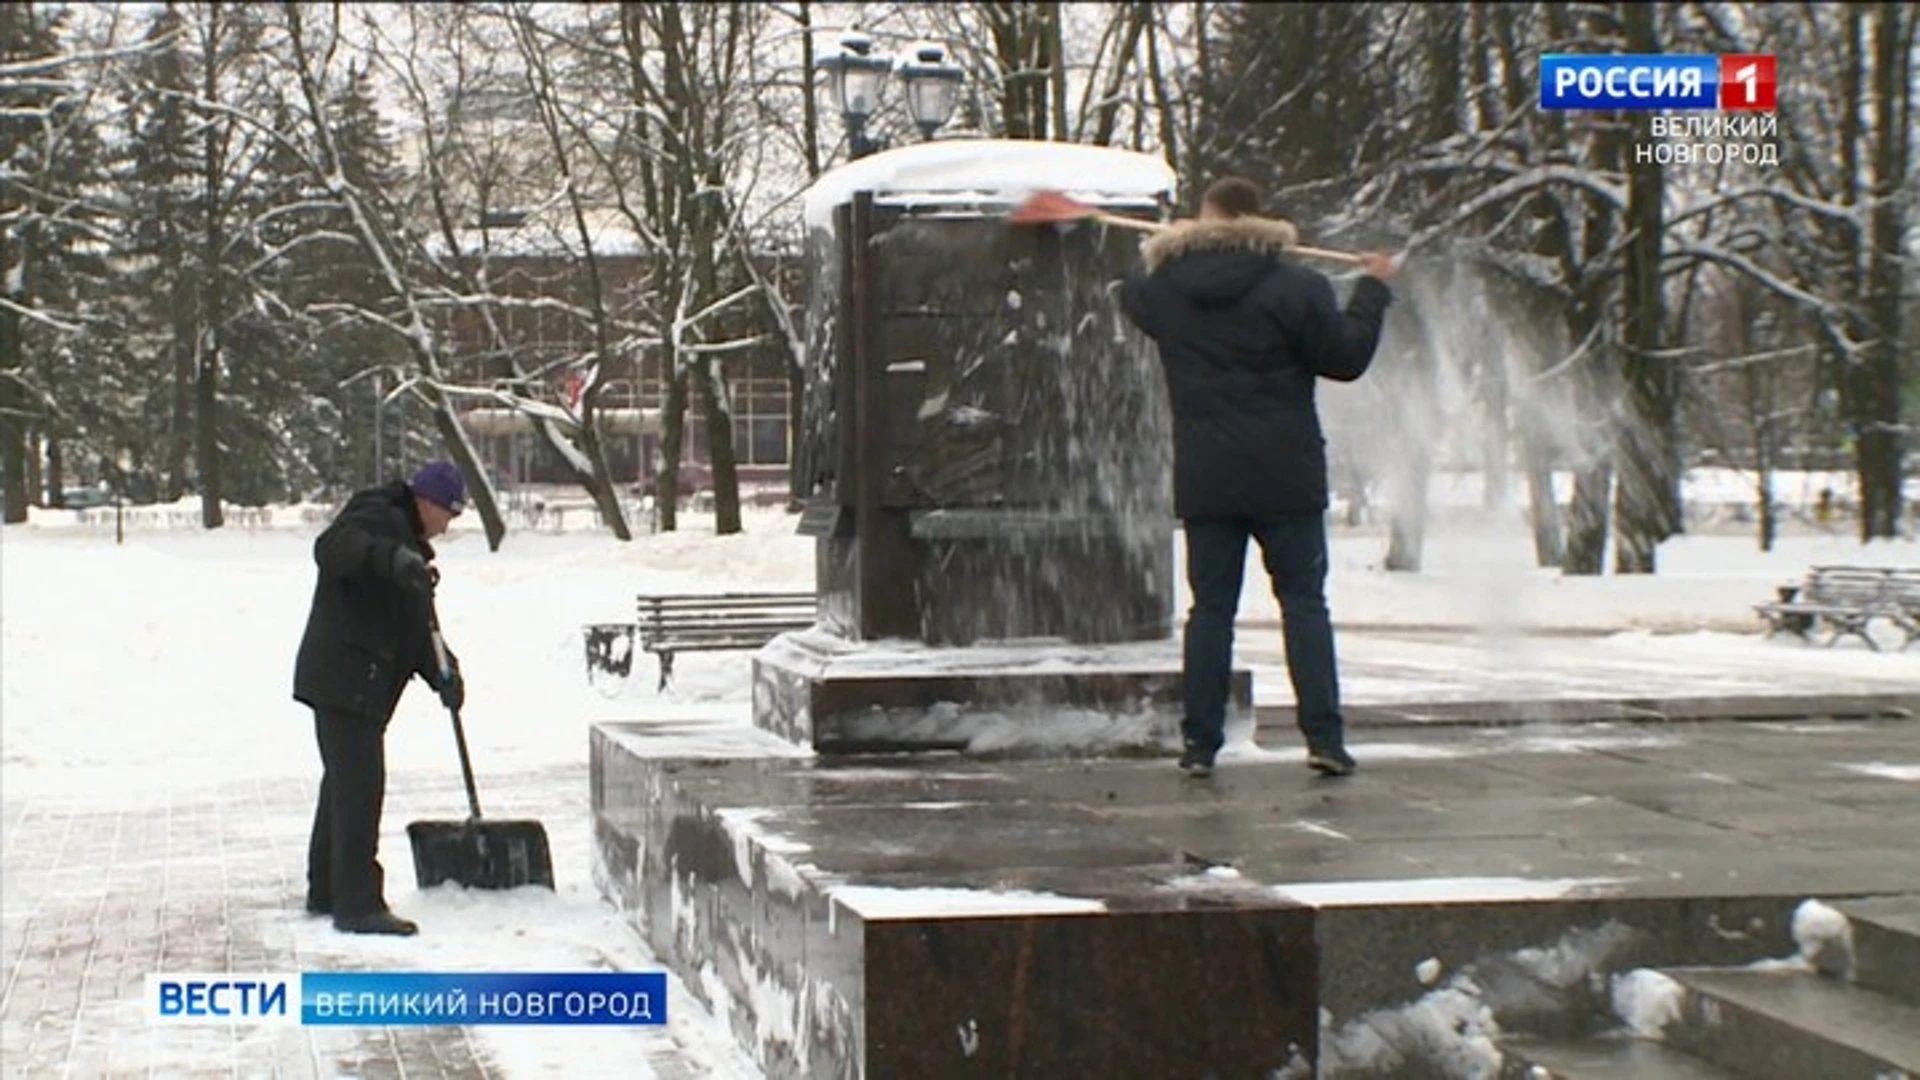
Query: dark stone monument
[[987, 473], [985, 468]]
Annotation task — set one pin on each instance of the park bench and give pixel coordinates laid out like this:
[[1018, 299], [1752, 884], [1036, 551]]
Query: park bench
[[1846, 600], [696, 623]]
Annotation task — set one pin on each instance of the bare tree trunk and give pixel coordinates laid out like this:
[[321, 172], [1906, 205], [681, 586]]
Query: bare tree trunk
[[1645, 446], [796, 360], [1850, 256], [673, 427], [1420, 369], [1587, 526], [1878, 407], [1107, 110], [1593, 481], [35, 488], [13, 435], [1758, 383], [796, 425], [1057, 69], [1407, 529], [13, 343], [1185, 163], [1587, 513], [719, 414], [180, 435], [1497, 447], [56, 473], [1760, 402], [212, 307], [1543, 509], [1410, 389]]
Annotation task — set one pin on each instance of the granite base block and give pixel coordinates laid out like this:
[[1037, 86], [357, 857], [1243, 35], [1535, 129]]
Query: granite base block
[[1163, 993], [945, 915], [908, 958], [841, 697]]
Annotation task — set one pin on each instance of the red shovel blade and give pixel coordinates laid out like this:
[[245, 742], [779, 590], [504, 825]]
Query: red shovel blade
[[1050, 208]]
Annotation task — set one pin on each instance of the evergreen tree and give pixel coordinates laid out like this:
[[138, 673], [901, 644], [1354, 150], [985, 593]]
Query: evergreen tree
[[266, 429], [162, 205], [352, 348], [52, 206]]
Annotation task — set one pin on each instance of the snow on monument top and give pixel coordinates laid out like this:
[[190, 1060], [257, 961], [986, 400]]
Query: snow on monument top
[[992, 170]]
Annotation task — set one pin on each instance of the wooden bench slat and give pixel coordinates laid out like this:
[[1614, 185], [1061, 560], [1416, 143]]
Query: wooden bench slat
[[747, 598], [698, 620], [733, 629], [736, 613]]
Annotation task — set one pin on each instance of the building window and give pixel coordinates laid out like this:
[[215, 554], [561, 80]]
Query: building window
[[760, 420]]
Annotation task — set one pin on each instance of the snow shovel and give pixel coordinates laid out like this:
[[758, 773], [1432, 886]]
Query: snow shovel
[[474, 853], [1055, 208]]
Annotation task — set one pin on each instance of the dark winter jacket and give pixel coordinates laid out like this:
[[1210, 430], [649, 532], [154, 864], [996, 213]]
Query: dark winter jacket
[[366, 634], [1244, 332]]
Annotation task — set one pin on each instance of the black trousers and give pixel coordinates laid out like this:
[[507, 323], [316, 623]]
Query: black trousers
[[1294, 551], [343, 866]]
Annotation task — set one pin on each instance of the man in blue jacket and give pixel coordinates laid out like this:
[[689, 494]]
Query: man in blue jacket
[[368, 634], [1245, 332]]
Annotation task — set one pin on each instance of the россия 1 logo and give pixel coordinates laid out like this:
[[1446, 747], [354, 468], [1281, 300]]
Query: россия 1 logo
[[1732, 81]]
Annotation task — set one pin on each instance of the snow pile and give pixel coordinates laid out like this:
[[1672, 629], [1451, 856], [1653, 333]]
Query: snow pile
[[1453, 1030], [1646, 1001], [1006, 169], [1450, 1031], [1823, 939], [1018, 730]]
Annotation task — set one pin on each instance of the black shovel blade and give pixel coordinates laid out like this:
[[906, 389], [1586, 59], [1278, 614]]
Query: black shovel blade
[[485, 854]]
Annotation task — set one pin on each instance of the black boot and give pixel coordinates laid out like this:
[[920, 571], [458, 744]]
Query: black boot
[[1196, 762], [380, 922], [1330, 759]]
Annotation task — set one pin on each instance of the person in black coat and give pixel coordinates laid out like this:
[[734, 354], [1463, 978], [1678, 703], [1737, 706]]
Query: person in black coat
[[1244, 333], [370, 631]]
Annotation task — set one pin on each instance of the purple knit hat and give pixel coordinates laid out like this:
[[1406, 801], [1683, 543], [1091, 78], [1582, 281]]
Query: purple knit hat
[[440, 483]]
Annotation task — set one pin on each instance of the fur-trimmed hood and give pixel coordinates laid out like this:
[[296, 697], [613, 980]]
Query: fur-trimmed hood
[[1268, 236]]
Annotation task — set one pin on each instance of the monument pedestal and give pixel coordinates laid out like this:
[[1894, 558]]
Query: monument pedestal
[[823, 691]]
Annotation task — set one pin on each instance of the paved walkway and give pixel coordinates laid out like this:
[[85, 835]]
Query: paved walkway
[[103, 889]]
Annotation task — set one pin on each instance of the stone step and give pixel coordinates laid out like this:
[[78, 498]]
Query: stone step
[[1601, 1058], [1886, 944], [1791, 1023]]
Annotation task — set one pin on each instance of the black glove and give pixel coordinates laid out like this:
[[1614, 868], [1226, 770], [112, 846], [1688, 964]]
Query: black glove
[[453, 688], [410, 570]]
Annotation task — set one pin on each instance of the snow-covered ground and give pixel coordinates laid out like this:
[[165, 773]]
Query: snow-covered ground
[[168, 659], [162, 666]]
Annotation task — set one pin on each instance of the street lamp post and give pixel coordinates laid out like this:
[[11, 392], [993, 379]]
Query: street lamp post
[[933, 88], [858, 79]]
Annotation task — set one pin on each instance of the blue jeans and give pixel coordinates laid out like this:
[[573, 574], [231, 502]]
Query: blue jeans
[[1294, 549]]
